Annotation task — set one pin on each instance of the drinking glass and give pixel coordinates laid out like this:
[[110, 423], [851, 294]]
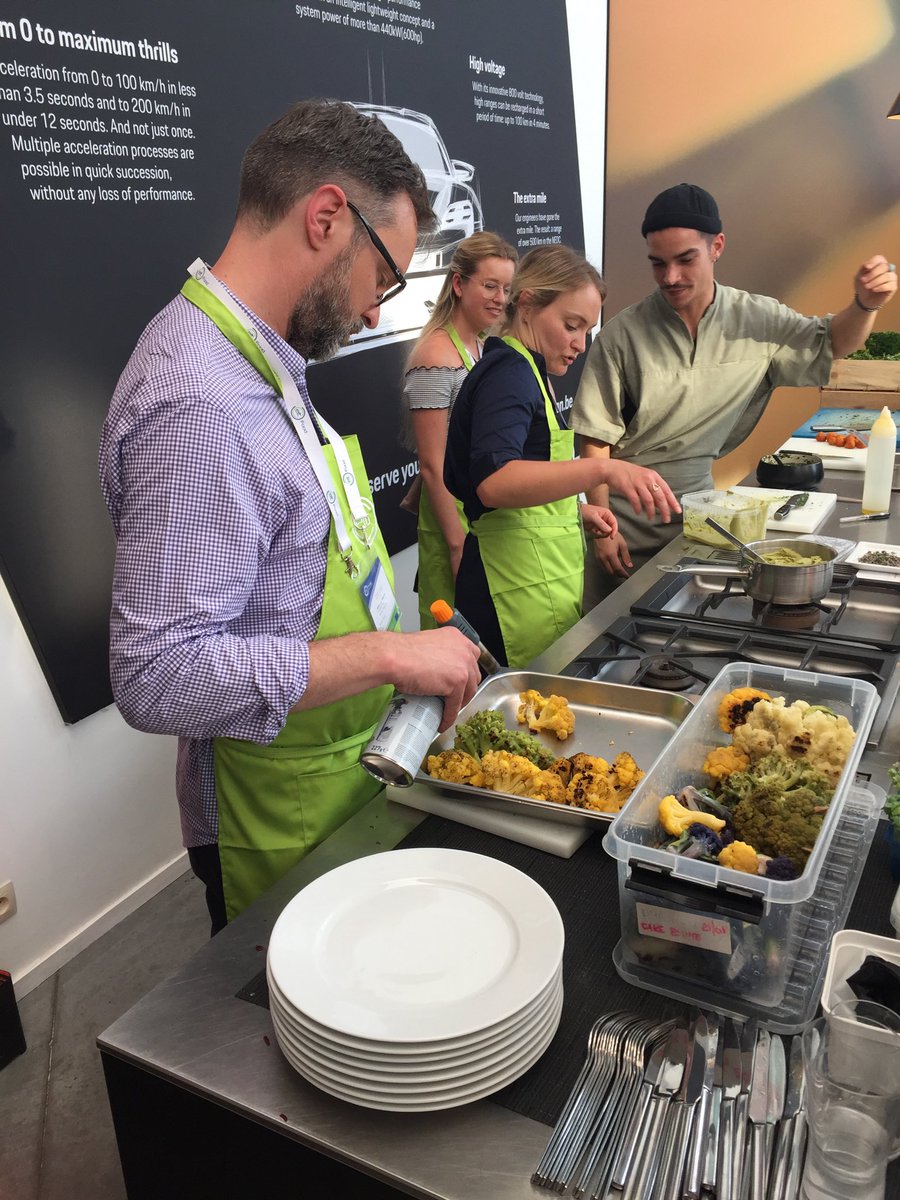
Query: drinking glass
[[852, 1066]]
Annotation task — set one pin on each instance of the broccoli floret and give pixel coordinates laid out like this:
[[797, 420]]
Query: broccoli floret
[[485, 731], [480, 733]]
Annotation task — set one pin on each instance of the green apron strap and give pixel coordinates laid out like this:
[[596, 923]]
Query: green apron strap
[[461, 350], [436, 578]]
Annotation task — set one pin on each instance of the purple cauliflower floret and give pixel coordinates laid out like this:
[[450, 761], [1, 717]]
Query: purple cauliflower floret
[[781, 867]]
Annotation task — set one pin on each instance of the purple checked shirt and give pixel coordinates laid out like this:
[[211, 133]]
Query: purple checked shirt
[[221, 538]]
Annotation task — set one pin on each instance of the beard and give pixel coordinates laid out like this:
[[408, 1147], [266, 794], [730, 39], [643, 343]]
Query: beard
[[322, 321]]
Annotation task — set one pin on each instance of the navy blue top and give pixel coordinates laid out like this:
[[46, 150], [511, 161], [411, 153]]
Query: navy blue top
[[498, 418]]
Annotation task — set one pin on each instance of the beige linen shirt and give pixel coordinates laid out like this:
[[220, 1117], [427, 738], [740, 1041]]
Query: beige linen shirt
[[662, 399]]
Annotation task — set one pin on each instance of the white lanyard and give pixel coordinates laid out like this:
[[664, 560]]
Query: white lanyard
[[364, 526]]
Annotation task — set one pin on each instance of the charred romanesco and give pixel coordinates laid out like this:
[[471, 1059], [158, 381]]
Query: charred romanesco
[[486, 731], [737, 705], [739, 857], [454, 766], [550, 713]]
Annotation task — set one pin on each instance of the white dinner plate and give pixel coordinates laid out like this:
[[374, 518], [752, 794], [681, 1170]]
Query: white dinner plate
[[454, 1056], [414, 1087], [413, 1052], [428, 1075], [416, 945], [450, 1098], [864, 548]]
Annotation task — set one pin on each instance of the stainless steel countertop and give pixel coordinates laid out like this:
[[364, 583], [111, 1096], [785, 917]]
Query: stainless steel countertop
[[192, 1031]]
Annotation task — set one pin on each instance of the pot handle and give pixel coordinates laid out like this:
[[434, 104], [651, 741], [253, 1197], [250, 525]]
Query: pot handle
[[696, 569]]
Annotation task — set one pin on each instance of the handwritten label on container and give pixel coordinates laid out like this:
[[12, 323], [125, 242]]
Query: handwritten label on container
[[672, 925]]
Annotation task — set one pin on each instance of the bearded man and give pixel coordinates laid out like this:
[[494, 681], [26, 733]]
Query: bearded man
[[253, 612]]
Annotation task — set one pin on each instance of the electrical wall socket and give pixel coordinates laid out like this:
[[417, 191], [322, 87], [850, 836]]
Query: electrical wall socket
[[7, 900]]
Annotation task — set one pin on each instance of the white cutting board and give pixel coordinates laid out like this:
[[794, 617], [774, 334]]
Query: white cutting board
[[835, 458], [802, 520], [553, 836]]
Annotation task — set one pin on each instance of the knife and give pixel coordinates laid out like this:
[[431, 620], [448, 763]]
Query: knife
[[797, 1151], [649, 1165], [879, 516], [731, 1086], [748, 1051], [696, 1157], [786, 1125], [792, 502], [775, 1098], [678, 1128], [758, 1112], [715, 1117]]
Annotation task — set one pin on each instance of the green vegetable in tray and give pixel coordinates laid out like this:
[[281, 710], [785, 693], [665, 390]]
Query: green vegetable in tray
[[486, 730]]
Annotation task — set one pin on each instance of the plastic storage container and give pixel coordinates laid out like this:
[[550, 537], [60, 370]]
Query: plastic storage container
[[740, 944], [744, 516]]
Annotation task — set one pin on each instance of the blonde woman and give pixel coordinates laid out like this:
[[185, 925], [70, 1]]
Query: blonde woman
[[509, 459], [471, 300]]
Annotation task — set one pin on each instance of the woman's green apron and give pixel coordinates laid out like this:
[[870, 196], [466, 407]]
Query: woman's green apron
[[277, 802], [436, 578], [534, 557]]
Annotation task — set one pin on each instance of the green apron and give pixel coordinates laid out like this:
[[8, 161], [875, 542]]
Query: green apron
[[534, 557], [277, 802], [436, 578]]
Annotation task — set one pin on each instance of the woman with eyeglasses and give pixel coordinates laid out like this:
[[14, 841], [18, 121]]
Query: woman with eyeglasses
[[509, 459], [471, 300]]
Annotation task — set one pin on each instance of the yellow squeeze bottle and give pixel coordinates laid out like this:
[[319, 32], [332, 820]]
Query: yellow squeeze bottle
[[880, 464]]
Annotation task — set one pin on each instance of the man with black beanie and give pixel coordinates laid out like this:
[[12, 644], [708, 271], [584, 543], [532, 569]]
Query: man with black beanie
[[682, 377]]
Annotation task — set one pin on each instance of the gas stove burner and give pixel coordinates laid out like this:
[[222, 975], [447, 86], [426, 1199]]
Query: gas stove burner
[[787, 616], [667, 674]]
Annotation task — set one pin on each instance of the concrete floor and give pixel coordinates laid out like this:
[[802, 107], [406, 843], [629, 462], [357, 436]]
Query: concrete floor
[[56, 1133]]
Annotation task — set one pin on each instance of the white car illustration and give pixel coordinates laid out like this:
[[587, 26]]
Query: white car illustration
[[454, 196]]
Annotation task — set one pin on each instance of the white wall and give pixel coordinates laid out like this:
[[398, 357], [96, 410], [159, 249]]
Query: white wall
[[88, 820]]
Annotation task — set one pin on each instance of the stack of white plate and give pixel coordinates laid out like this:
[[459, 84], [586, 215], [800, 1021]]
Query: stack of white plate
[[416, 980]]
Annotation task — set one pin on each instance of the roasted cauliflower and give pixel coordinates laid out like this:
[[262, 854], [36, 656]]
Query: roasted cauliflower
[[454, 766], [563, 768], [626, 774], [798, 730], [550, 713], [724, 761], [591, 786], [737, 705], [675, 818], [505, 772], [739, 856]]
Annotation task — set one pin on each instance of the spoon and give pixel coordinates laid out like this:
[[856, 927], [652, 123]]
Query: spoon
[[726, 533]]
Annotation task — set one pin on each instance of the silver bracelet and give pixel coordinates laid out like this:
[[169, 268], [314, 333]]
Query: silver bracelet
[[865, 308]]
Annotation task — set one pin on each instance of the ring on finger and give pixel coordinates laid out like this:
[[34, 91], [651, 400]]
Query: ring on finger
[[892, 266], [656, 487]]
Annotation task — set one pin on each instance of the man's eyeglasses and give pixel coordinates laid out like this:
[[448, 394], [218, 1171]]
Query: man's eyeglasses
[[383, 251]]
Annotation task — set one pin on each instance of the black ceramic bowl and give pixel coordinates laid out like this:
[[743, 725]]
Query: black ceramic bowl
[[795, 470]]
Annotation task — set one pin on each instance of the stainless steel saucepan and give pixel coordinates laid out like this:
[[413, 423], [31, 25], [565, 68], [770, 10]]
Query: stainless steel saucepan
[[774, 583]]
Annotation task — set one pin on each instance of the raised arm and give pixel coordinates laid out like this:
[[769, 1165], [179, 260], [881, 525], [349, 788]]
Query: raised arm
[[873, 286]]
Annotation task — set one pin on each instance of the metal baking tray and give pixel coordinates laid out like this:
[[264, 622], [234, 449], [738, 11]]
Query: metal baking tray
[[609, 718]]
